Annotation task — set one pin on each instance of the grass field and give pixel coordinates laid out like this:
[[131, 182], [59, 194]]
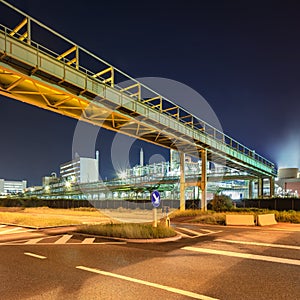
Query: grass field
[[45, 217]]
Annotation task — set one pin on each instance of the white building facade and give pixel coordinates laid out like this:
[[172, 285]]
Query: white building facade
[[8, 187], [81, 170]]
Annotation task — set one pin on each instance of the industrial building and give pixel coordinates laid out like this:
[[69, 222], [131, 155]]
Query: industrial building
[[9, 187], [81, 170], [288, 182]]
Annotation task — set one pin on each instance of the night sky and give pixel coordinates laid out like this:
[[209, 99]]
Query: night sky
[[243, 57]]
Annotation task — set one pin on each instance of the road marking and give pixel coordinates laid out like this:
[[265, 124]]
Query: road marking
[[209, 231], [63, 239], [152, 284], [10, 230], [35, 255], [88, 241], [34, 241], [183, 234], [195, 233], [245, 255], [190, 231], [259, 244]]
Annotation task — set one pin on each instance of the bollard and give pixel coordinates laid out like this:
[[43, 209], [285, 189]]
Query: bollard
[[168, 222]]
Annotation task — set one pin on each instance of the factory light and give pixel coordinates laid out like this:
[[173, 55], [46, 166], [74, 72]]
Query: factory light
[[122, 174]]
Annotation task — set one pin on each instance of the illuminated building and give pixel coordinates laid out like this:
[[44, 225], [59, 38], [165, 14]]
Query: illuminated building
[[12, 187]]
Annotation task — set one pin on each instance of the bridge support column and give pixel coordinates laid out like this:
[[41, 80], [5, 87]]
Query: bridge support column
[[260, 187], [272, 186], [203, 179], [250, 189], [182, 181]]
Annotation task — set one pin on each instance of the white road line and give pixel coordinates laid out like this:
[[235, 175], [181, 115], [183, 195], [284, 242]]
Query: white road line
[[151, 284], [190, 231], [259, 244], [11, 230], [183, 234], [209, 231], [63, 239], [34, 241], [88, 241], [245, 255], [35, 255]]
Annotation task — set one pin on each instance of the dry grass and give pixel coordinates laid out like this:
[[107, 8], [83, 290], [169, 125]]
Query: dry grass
[[34, 221], [81, 211]]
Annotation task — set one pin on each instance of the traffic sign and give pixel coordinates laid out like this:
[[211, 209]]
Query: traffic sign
[[155, 198]]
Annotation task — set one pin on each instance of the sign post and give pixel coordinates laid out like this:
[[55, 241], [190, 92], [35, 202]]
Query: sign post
[[155, 199]]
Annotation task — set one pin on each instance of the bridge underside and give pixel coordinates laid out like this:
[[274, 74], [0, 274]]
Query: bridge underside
[[54, 94]]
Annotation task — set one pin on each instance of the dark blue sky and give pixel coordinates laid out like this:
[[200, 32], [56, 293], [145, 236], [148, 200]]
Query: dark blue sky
[[243, 57]]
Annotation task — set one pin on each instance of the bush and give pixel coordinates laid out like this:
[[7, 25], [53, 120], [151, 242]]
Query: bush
[[290, 216], [221, 203]]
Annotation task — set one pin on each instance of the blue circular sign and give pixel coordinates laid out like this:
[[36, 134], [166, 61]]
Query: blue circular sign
[[155, 198]]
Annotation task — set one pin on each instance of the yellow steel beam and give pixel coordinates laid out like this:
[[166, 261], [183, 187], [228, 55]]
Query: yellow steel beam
[[14, 84], [170, 108], [109, 69], [130, 87], [18, 27], [184, 117], [72, 61], [152, 99], [105, 71], [74, 48], [24, 36]]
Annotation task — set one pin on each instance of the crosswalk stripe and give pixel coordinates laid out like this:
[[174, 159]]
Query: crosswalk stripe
[[88, 241], [34, 241], [10, 230], [63, 239]]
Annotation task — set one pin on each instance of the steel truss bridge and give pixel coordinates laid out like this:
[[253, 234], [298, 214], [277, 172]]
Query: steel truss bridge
[[59, 81]]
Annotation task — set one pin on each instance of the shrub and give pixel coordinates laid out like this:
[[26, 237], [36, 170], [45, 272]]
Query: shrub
[[221, 203]]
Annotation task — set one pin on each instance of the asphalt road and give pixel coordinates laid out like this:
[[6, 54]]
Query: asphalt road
[[209, 262]]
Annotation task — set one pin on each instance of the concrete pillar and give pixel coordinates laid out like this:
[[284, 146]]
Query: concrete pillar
[[260, 187], [182, 181], [272, 187], [250, 189], [203, 179]]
